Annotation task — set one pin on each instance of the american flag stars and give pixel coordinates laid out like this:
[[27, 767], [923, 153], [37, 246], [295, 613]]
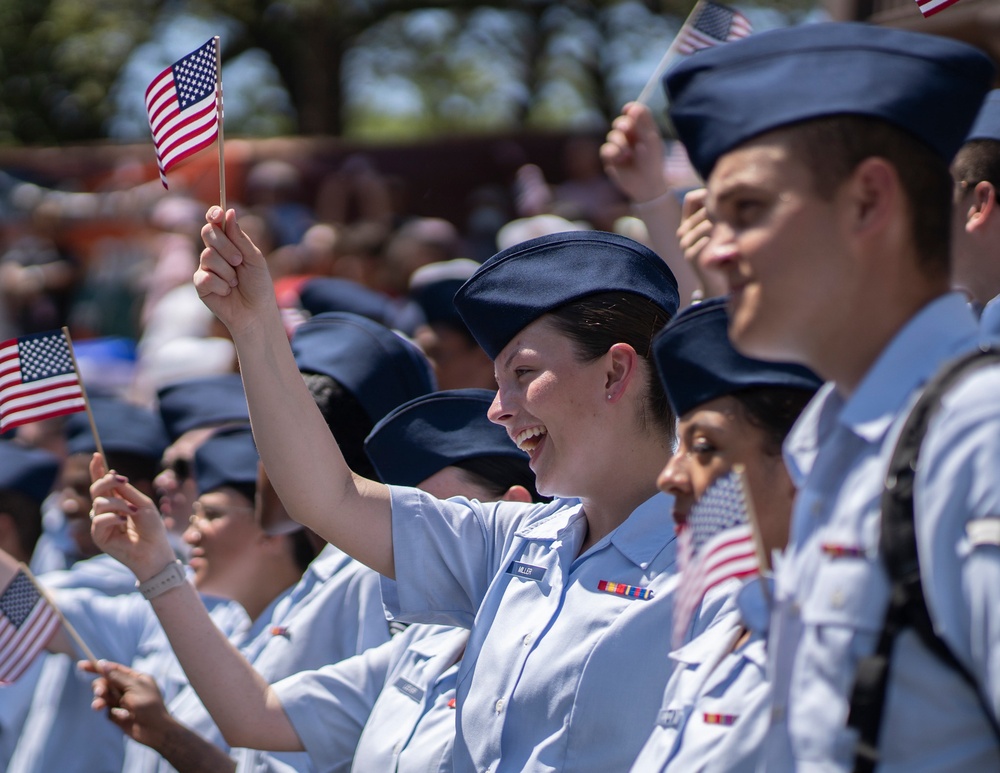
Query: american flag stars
[[44, 355], [194, 75]]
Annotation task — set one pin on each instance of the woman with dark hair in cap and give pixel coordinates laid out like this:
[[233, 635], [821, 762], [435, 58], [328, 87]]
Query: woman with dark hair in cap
[[561, 597], [733, 412], [392, 707]]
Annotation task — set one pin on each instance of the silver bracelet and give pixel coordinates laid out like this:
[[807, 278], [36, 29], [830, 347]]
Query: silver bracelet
[[172, 576]]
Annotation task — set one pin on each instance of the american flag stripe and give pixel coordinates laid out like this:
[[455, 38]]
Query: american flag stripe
[[23, 401], [732, 557], [182, 106], [35, 633], [715, 544], [27, 624], [931, 7]]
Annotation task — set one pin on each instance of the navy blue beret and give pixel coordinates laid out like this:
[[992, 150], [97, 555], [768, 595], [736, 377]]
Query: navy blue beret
[[437, 300], [123, 428], [379, 367], [697, 363], [432, 432], [433, 288], [227, 458], [31, 471], [926, 85], [202, 402], [987, 125], [521, 283], [326, 293]]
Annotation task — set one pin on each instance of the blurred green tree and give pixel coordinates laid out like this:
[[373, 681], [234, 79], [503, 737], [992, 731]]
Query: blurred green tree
[[371, 68]]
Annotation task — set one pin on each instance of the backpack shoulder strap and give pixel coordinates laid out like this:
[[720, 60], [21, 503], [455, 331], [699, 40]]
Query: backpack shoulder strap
[[898, 550]]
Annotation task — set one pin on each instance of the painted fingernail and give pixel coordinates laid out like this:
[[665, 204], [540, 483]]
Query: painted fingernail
[[214, 212]]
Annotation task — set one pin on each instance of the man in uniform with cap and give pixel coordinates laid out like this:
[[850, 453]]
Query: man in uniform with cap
[[976, 234], [826, 151]]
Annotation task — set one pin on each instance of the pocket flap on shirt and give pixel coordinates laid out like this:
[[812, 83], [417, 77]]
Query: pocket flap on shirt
[[850, 591]]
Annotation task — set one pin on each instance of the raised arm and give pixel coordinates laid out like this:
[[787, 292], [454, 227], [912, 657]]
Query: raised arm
[[127, 526], [299, 453], [692, 235], [633, 158]]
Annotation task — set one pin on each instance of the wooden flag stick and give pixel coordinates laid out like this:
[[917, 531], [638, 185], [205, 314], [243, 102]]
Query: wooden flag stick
[[62, 618], [86, 400], [763, 561], [654, 79], [218, 107]]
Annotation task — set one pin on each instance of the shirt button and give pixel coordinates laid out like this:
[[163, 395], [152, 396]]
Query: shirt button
[[528, 638], [499, 705]]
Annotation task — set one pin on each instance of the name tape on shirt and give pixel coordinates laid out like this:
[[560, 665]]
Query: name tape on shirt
[[670, 718], [527, 571], [409, 689]]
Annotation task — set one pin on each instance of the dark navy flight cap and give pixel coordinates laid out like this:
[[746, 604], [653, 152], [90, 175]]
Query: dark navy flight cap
[[30, 471], [228, 458], [432, 432], [520, 284], [697, 363], [202, 402], [987, 125], [926, 85], [123, 428], [379, 367], [327, 293]]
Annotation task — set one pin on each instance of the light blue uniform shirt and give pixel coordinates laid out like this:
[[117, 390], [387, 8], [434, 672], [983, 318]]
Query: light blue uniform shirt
[[832, 590], [717, 702], [186, 707], [100, 573], [61, 731], [390, 709], [335, 612], [558, 675], [15, 701]]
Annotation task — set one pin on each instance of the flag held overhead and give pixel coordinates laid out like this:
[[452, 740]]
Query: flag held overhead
[[183, 109]]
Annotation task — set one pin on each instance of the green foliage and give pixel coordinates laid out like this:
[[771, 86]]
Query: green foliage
[[384, 69]]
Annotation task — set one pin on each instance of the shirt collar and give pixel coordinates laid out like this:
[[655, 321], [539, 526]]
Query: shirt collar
[[752, 603], [447, 641], [647, 530], [329, 561], [939, 331]]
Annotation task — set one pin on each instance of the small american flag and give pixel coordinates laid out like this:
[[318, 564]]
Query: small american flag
[[716, 544], [182, 108], [715, 23], [38, 379], [931, 7], [27, 624]]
